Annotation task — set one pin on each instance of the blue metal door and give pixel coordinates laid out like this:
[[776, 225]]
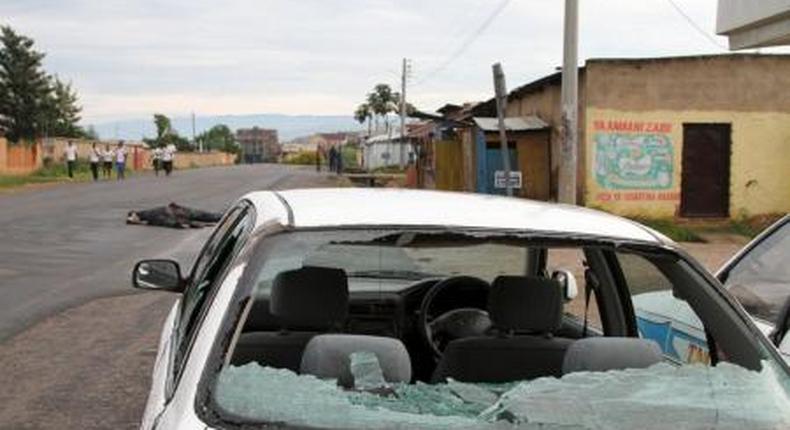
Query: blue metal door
[[494, 163]]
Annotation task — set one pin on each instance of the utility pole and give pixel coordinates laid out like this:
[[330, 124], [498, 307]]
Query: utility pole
[[500, 94], [403, 78], [569, 128], [194, 142]]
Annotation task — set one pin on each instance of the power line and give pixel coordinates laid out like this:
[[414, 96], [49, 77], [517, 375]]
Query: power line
[[696, 26], [466, 43]]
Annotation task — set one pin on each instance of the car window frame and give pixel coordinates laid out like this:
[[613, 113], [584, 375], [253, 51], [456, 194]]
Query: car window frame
[[207, 411], [723, 273], [242, 211]]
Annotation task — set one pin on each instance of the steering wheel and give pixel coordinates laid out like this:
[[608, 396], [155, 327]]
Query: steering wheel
[[453, 324]]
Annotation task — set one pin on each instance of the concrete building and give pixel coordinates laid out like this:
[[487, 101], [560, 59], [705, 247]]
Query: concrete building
[[258, 145], [754, 24], [386, 150], [702, 136]]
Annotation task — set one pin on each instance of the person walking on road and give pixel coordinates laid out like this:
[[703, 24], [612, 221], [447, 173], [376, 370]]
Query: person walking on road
[[339, 161], [332, 158], [120, 161], [168, 154], [107, 156], [156, 159], [71, 158], [95, 158], [318, 154]]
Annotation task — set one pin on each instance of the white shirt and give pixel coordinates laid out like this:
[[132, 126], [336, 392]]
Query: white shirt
[[157, 153], [120, 155], [71, 153], [108, 155], [169, 151], [95, 155]]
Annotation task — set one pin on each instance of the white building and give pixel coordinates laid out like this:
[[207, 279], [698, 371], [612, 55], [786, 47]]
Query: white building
[[386, 150], [754, 23]]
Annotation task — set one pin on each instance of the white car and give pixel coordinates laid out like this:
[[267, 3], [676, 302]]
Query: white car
[[759, 278], [365, 308]]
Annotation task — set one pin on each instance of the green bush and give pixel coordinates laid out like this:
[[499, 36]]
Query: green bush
[[58, 170], [349, 157], [304, 157]]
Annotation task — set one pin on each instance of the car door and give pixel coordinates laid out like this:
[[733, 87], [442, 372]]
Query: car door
[[759, 275], [184, 318]]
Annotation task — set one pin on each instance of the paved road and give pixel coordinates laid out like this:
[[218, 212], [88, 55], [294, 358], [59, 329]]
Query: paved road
[[62, 246], [76, 342]]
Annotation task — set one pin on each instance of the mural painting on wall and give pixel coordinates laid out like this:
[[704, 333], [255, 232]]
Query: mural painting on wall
[[634, 160]]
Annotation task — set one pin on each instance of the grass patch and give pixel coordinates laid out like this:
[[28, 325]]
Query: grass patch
[[671, 229], [55, 173], [388, 169], [18, 181], [748, 226]]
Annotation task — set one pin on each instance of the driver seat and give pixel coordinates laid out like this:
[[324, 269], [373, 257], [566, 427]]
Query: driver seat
[[526, 311]]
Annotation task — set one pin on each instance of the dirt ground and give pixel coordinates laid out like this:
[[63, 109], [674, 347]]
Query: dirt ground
[[89, 367]]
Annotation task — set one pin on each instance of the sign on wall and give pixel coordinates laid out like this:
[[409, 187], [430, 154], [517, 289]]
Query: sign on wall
[[633, 155], [515, 179]]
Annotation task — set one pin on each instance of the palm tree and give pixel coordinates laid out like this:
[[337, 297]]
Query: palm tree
[[381, 102], [363, 114]]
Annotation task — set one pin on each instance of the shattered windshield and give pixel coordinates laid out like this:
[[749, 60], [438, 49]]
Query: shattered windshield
[[310, 372], [692, 397]]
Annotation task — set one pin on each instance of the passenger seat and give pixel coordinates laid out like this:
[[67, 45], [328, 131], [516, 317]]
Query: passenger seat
[[328, 356], [304, 302], [599, 354]]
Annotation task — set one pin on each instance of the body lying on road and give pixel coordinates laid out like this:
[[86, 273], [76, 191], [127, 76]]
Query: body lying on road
[[173, 216]]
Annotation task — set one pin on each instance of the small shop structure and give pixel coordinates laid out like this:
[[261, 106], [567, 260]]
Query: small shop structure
[[699, 136]]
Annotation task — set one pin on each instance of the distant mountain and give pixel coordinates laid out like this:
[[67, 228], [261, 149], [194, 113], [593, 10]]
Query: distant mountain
[[288, 126]]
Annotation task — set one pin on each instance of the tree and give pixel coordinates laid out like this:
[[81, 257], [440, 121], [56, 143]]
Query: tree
[[32, 103], [25, 89], [381, 102], [165, 135], [163, 127], [60, 113], [363, 114], [220, 138], [396, 105], [91, 133]]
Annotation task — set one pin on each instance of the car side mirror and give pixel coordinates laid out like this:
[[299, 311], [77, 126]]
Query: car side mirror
[[779, 336], [160, 275], [568, 282]]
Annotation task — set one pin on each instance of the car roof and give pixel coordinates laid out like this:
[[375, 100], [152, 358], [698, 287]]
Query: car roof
[[393, 207]]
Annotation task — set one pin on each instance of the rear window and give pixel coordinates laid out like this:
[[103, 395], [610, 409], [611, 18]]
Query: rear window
[[683, 388]]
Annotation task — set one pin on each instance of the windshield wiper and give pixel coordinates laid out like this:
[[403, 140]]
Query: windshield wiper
[[392, 274]]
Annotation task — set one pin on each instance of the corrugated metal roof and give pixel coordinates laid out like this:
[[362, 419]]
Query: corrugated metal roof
[[387, 137], [524, 123]]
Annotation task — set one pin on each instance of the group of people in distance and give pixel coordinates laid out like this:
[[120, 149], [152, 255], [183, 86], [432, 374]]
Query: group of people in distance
[[100, 159], [103, 159], [334, 159], [162, 158]]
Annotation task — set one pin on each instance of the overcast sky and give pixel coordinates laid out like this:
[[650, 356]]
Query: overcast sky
[[128, 59]]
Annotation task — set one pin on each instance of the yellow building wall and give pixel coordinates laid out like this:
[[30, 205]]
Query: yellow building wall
[[759, 166]]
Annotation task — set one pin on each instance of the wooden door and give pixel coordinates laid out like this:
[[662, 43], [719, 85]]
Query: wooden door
[[705, 178]]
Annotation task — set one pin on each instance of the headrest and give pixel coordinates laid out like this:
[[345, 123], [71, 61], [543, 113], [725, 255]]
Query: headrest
[[598, 354], [260, 317], [310, 298], [525, 304], [328, 356]]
